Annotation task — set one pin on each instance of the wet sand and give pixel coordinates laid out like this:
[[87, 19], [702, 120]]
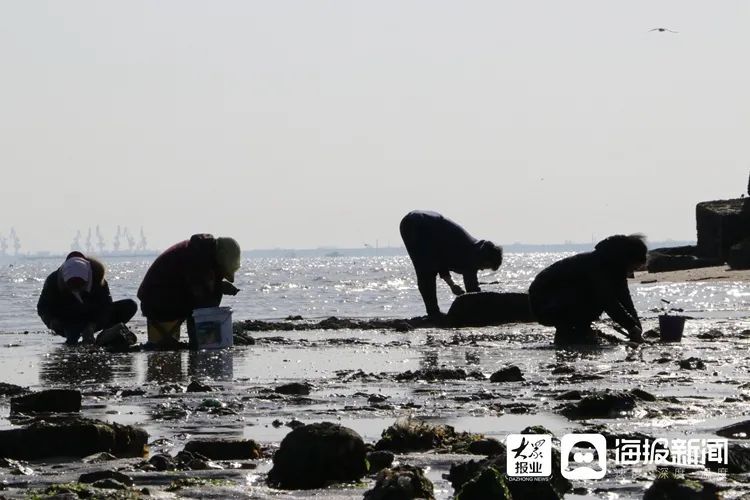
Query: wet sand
[[708, 274], [347, 367]]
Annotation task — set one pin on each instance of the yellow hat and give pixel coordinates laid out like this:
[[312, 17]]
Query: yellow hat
[[228, 255]]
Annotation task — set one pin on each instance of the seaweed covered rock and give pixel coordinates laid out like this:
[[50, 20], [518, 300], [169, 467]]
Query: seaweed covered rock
[[507, 374], [315, 455], [379, 460], [432, 374], [489, 476], [738, 460], [740, 430], [671, 488], [49, 401], [489, 483], [408, 434], [94, 477], [489, 308], [601, 405], [404, 482], [11, 389], [225, 449], [72, 437], [294, 389]]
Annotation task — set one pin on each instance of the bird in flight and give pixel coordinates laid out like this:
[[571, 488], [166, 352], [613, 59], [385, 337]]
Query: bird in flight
[[662, 30]]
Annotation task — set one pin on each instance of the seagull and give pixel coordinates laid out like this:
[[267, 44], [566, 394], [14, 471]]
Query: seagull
[[662, 30]]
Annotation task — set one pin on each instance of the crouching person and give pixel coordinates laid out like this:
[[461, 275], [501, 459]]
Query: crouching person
[[76, 302], [575, 291], [189, 275]]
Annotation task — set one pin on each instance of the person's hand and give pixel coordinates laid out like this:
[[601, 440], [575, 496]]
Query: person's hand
[[228, 288], [87, 335], [457, 290]]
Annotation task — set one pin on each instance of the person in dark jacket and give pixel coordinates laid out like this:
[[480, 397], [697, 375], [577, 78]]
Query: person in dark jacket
[[76, 302], [192, 274], [437, 246], [575, 291]]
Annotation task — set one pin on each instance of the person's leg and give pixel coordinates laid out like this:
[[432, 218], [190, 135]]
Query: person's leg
[[120, 311], [569, 312]]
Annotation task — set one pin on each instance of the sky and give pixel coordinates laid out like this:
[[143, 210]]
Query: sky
[[309, 123]]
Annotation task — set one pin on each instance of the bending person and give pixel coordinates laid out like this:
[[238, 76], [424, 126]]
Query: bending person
[[192, 274], [573, 292], [76, 302], [437, 246]]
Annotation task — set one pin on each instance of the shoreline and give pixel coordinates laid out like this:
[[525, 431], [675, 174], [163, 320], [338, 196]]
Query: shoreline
[[715, 273]]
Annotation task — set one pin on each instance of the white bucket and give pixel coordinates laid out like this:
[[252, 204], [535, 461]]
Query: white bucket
[[213, 327]]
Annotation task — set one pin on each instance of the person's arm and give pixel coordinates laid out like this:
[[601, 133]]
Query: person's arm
[[428, 290], [471, 282], [446, 276], [47, 308], [99, 304], [610, 299], [626, 300]]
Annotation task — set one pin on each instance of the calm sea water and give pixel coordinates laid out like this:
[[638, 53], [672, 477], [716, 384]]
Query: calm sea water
[[347, 286]]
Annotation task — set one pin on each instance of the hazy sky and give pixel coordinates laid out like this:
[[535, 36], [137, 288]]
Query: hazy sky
[[308, 123]]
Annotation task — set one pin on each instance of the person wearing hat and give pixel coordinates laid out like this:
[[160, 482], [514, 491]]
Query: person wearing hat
[[76, 302], [574, 292], [189, 275], [437, 246]]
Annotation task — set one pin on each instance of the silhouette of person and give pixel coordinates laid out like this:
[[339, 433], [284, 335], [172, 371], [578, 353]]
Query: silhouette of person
[[76, 302], [575, 291], [437, 246]]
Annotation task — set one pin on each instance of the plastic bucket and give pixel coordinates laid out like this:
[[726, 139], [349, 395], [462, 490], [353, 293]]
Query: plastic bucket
[[213, 327], [671, 327]]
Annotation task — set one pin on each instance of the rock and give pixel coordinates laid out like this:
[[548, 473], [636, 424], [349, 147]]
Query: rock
[[109, 484], [93, 477], [224, 449], [294, 424], [294, 389], [431, 374], [721, 224], [162, 462], [681, 489], [11, 389], [570, 395], [486, 446], [71, 437], [692, 363], [318, 454], [116, 338], [196, 386], [51, 400], [740, 430], [98, 458], [15, 467], [711, 335], [408, 434], [553, 487], [379, 460], [601, 405], [660, 263], [509, 374], [489, 308], [738, 256], [488, 484], [738, 460], [643, 395], [402, 482]]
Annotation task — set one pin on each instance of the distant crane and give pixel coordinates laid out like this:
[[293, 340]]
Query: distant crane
[[99, 240], [131, 240], [15, 240], [142, 242], [3, 245], [116, 242], [89, 245], [76, 245]]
